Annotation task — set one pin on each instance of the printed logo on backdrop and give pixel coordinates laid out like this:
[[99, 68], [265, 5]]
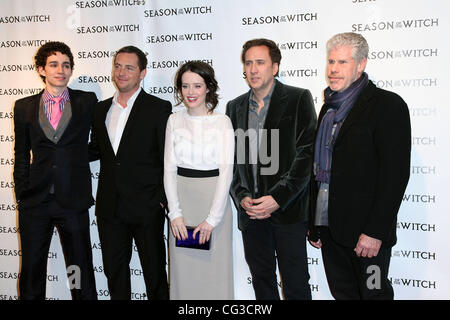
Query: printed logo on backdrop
[[414, 283], [299, 73], [168, 12], [407, 83], [416, 226], [6, 138], [108, 3], [94, 79], [402, 54], [36, 18], [95, 175], [419, 198], [9, 275], [168, 38], [170, 64], [314, 287], [99, 269], [424, 141], [423, 170], [311, 262], [161, 90], [9, 230], [104, 293], [423, 112], [22, 43], [404, 24], [279, 19], [52, 278], [6, 115], [414, 254], [4, 252], [16, 67], [96, 246], [298, 45], [95, 54], [8, 297], [19, 91], [8, 208], [100, 29]]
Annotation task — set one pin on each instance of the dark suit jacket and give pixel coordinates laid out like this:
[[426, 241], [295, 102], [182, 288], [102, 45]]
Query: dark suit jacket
[[292, 113], [369, 169], [132, 180], [65, 164]]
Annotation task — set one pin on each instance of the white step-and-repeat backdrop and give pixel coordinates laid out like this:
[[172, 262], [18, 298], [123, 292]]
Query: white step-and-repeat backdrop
[[409, 54]]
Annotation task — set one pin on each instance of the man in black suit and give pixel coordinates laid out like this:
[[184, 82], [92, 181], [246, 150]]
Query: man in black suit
[[53, 187], [361, 170], [128, 138], [271, 193]]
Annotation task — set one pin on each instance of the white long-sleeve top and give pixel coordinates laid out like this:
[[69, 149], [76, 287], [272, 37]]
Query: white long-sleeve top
[[201, 143]]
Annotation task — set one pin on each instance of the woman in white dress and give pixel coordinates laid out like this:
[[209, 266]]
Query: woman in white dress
[[198, 169]]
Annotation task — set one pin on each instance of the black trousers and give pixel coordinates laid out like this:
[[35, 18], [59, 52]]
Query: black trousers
[[355, 278], [36, 231], [116, 238], [266, 243]]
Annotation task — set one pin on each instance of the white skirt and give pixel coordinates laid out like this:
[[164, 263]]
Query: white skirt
[[196, 274]]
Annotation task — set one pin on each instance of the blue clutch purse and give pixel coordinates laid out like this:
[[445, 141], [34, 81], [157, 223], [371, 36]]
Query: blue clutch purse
[[192, 243]]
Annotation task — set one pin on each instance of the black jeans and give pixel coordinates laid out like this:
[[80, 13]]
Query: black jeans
[[264, 244], [355, 278], [36, 231]]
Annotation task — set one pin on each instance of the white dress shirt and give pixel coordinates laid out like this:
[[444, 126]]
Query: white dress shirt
[[117, 117], [201, 143]]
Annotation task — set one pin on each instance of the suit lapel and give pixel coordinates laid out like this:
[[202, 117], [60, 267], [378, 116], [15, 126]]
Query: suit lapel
[[277, 107], [75, 108], [101, 126], [35, 106], [242, 113], [354, 114], [132, 118], [74, 103], [242, 123]]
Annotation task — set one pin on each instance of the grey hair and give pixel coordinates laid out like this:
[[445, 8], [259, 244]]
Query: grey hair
[[360, 48]]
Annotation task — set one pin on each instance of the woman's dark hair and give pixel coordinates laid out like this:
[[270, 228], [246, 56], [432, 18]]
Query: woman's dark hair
[[48, 49], [274, 51], [205, 71]]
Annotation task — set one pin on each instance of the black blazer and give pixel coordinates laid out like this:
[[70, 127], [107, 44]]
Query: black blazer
[[369, 169], [132, 180], [65, 164], [292, 113]]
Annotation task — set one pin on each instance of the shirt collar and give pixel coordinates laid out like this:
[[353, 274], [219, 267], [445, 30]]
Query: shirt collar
[[47, 96], [130, 101], [266, 99]]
